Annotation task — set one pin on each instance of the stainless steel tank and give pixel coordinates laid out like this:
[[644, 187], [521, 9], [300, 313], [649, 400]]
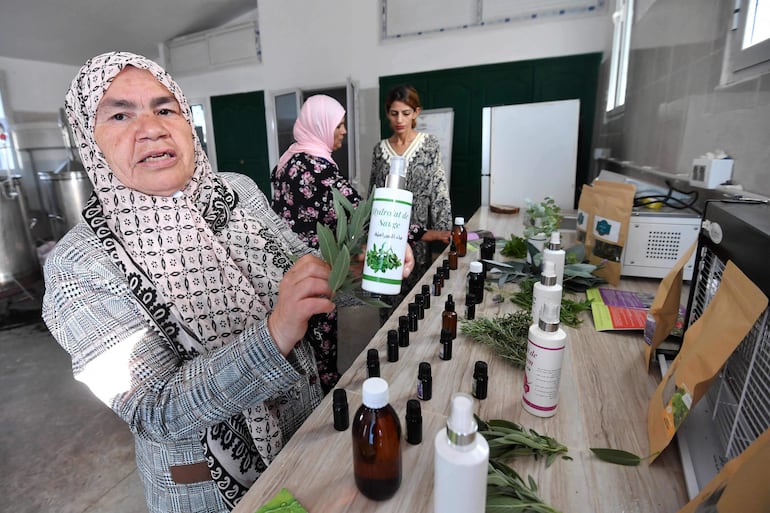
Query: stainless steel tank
[[19, 267], [64, 195]]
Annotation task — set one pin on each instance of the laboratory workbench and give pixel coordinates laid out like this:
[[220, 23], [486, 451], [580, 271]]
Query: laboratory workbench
[[603, 400]]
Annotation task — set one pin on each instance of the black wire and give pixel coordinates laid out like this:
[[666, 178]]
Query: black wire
[[670, 201]]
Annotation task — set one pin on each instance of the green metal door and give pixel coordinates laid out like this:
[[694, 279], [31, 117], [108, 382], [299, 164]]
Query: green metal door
[[240, 135], [469, 90]]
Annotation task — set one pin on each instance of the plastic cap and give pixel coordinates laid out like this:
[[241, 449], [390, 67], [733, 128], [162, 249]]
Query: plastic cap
[[480, 369], [424, 370], [459, 221], [375, 393], [549, 317], [476, 267], [461, 428], [397, 166], [372, 355], [392, 337], [548, 268], [413, 409], [340, 396]]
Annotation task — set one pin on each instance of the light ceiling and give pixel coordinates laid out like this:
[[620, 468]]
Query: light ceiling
[[72, 31]]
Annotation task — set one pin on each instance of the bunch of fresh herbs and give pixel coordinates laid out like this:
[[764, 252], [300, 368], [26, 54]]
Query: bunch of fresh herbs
[[507, 334], [338, 248], [507, 492], [508, 439]]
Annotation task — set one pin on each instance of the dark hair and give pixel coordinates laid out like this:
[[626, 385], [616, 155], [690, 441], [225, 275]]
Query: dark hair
[[403, 93]]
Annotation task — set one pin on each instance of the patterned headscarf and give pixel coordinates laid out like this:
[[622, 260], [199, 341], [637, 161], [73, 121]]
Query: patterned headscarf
[[196, 262], [314, 129]]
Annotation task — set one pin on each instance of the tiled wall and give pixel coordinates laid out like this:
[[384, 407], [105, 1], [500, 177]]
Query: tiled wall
[[675, 108]]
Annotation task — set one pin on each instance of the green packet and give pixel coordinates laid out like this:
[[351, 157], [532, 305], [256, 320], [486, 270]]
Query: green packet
[[282, 502]]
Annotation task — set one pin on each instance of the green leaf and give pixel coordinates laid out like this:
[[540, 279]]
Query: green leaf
[[326, 243], [342, 200], [339, 269], [617, 456]]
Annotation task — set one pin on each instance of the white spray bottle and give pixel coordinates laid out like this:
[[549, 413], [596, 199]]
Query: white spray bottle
[[545, 353], [388, 233], [545, 291], [460, 463]]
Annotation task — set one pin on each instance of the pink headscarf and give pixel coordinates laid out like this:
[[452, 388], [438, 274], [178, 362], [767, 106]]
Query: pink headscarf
[[314, 128]]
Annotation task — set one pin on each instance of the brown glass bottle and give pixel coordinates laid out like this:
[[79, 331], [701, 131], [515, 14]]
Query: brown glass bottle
[[460, 236], [452, 256], [376, 443], [449, 317]]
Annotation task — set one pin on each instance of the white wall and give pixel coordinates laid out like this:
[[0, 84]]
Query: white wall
[[309, 44]]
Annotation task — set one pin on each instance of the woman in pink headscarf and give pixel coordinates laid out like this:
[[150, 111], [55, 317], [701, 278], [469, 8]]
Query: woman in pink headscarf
[[302, 195]]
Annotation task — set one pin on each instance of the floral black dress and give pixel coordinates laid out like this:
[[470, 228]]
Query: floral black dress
[[426, 180], [302, 196]]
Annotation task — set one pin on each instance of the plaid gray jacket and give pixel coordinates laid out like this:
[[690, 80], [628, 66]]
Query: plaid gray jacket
[[165, 400]]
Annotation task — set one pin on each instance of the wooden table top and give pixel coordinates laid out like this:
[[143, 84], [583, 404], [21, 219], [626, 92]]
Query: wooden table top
[[603, 399]]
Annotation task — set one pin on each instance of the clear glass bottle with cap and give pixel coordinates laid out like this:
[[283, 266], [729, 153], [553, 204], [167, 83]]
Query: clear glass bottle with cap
[[460, 462], [388, 233], [376, 443], [460, 236]]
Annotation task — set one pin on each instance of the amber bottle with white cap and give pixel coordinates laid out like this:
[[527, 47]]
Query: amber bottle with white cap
[[460, 463], [376, 443]]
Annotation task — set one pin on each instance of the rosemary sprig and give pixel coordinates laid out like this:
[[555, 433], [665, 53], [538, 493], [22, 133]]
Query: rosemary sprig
[[507, 335], [507, 492], [569, 314], [507, 440]]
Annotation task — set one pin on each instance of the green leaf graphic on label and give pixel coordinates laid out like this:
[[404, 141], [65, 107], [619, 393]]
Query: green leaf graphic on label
[[382, 260]]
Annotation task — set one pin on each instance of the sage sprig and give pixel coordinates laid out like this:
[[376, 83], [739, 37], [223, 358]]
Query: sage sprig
[[507, 492], [619, 456], [507, 440], [338, 248], [506, 335]]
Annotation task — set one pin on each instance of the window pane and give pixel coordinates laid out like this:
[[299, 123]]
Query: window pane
[[757, 23]]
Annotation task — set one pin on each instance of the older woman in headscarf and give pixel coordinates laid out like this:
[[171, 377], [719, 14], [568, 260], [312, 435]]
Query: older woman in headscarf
[[303, 183], [176, 296]]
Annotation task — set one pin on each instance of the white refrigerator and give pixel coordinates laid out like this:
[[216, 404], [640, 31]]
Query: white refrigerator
[[529, 151]]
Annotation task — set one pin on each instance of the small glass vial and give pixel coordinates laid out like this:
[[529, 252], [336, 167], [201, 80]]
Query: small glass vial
[[392, 345], [440, 273], [445, 353], [413, 422], [460, 236], [340, 409], [426, 296], [403, 331], [487, 251], [419, 301], [445, 269], [449, 317], [480, 380], [413, 318], [452, 256], [424, 382], [470, 307], [373, 363], [376, 434], [476, 281], [437, 284]]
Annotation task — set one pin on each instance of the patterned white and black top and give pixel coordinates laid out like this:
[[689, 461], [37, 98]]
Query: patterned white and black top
[[162, 303], [426, 180], [172, 397]]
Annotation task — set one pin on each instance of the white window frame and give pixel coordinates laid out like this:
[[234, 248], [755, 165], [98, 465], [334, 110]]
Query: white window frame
[[744, 64], [622, 19]]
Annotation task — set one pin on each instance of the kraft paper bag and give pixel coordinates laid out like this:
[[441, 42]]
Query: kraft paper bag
[[707, 345], [604, 211], [664, 310], [741, 485]]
